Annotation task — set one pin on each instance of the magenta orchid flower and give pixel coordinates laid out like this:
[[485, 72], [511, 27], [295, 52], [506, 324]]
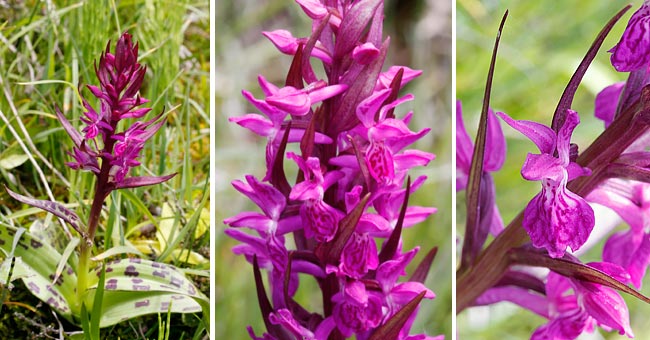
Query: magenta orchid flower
[[589, 305], [556, 218], [628, 249], [633, 50]]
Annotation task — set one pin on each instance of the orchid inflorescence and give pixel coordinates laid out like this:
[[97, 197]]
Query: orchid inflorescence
[[350, 190], [120, 77], [613, 171]]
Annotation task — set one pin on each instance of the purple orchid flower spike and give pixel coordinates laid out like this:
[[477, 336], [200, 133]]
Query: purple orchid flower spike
[[556, 218], [348, 199], [104, 151]]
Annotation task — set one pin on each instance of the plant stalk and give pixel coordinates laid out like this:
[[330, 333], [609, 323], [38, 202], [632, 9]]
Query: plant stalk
[[102, 190]]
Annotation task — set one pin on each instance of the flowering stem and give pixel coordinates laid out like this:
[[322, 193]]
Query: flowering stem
[[101, 192]]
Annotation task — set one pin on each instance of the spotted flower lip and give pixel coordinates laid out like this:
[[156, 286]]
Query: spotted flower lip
[[556, 218]]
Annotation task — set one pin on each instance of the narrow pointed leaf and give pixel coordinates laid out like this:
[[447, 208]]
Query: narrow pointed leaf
[[472, 225], [307, 71], [278, 177], [618, 170], [95, 317], [421, 272], [332, 250], [294, 77], [263, 299], [361, 160], [570, 90], [390, 329], [287, 278], [135, 182], [295, 308], [391, 244], [54, 208], [524, 280], [69, 129], [394, 92], [64, 259], [307, 141], [569, 268]]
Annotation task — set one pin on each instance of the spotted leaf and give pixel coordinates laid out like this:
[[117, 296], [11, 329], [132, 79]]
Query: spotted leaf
[[57, 209], [140, 275], [37, 263], [118, 306]]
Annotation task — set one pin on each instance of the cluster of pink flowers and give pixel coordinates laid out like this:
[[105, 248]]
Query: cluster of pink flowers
[[120, 77], [352, 188]]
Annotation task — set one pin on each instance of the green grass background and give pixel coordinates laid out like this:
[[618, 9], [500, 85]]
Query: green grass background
[[60, 41], [541, 45], [420, 38]]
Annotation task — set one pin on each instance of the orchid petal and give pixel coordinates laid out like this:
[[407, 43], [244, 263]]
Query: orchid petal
[[542, 135]]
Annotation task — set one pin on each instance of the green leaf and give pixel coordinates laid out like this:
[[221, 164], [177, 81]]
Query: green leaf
[[173, 242], [140, 275], [55, 208], [95, 317], [167, 227], [9, 162], [40, 261], [117, 250], [119, 306]]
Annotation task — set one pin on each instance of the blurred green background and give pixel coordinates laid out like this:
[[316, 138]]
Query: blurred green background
[[420, 34], [541, 45]]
